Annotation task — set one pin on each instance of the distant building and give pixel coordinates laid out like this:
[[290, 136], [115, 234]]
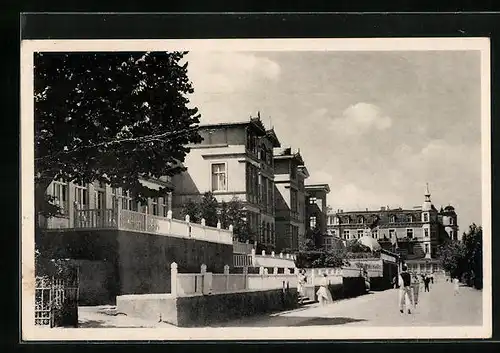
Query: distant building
[[234, 159], [414, 233], [290, 197]]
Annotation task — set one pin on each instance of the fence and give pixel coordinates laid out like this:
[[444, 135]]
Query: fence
[[56, 302], [271, 260], [186, 284], [117, 218], [242, 248]]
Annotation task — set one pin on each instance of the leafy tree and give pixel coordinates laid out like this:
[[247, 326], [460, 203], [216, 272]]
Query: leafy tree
[[192, 209], [452, 256], [234, 213], [473, 242], [113, 117], [312, 240], [208, 209], [354, 246]]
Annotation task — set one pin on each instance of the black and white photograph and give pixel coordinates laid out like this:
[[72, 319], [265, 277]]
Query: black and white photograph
[[256, 189]]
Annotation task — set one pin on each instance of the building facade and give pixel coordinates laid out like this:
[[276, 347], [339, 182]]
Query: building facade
[[290, 197], [233, 160], [415, 233]]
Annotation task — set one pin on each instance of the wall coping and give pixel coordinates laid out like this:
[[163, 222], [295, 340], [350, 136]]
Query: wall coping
[[146, 296]]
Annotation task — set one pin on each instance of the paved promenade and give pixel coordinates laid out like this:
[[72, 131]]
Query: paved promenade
[[439, 307]]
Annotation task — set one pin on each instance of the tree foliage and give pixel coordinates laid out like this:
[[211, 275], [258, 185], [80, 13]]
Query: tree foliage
[[233, 213], [321, 259], [114, 117], [312, 240], [208, 209], [192, 209], [354, 246], [463, 259], [228, 213]]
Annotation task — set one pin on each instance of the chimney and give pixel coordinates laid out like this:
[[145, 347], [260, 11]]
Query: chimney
[[382, 208]]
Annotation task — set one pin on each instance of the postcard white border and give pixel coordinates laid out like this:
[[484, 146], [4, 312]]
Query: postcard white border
[[31, 332]]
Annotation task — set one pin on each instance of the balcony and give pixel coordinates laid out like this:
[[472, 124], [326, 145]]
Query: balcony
[[95, 219]]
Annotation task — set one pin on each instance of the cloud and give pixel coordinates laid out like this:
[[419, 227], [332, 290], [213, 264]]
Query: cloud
[[228, 72], [350, 196], [360, 118]]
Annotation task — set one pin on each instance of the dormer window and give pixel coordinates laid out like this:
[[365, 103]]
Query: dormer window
[[410, 218], [347, 220], [425, 217], [392, 219], [361, 220], [451, 221]]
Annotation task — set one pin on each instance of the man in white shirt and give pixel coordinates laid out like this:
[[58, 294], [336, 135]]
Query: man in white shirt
[[405, 290]]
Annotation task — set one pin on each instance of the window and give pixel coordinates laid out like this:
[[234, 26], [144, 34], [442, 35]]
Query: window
[[128, 202], [360, 233], [426, 248], [392, 219], [99, 192], [81, 196], [409, 233], [219, 177], [263, 191], [115, 195], [346, 234], [375, 233], [293, 200], [361, 220], [426, 232], [60, 193], [293, 171], [164, 205], [410, 218], [334, 233], [312, 200], [270, 195], [154, 206], [392, 233], [312, 222], [426, 217], [451, 221], [336, 220]]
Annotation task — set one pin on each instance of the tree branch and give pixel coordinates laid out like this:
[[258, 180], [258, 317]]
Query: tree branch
[[164, 137]]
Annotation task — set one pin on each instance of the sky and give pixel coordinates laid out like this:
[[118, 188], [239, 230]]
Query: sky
[[375, 126]]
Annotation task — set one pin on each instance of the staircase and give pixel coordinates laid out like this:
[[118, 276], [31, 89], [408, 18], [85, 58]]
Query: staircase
[[305, 300]]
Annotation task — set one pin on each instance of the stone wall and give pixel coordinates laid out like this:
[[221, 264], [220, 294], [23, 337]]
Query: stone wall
[[203, 310], [131, 263]]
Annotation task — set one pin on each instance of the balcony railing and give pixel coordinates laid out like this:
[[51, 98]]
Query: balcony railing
[[143, 223]]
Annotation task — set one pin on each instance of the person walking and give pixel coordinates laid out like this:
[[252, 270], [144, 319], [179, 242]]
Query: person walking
[[416, 289], [323, 293], [456, 285], [427, 280], [405, 300], [301, 286]]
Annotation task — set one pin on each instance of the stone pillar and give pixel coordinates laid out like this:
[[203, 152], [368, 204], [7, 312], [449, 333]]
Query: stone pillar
[[188, 228], [245, 274], [207, 280], [173, 279], [253, 257], [226, 273]]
